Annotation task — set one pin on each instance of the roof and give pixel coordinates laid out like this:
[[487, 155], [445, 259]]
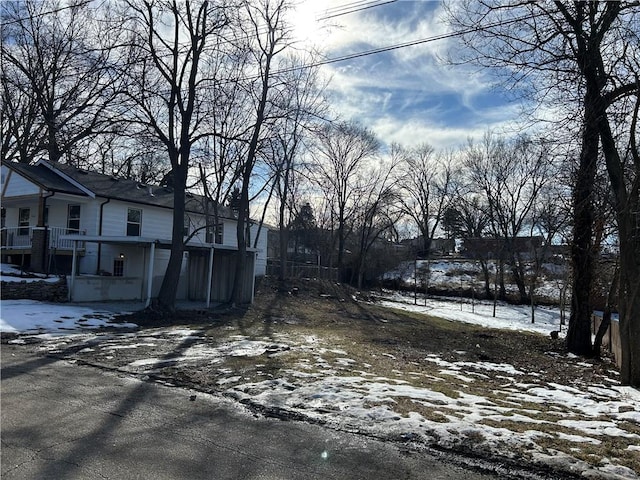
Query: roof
[[144, 241], [62, 177], [44, 178]]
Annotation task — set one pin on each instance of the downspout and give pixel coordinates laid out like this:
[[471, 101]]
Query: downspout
[[44, 207], [41, 223], [100, 234]]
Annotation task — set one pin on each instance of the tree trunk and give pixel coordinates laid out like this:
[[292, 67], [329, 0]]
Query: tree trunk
[[630, 318], [241, 260], [579, 333], [606, 315], [517, 270], [169, 287], [284, 240]]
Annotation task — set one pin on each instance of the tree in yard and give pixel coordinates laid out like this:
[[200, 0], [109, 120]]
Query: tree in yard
[[169, 43], [302, 228], [466, 218], [301, 103], [584, 57], [511, 176], [268, 37], [341, 153], [549, 220], [425, 183], [220, 156], [376, 212], [59, 84]]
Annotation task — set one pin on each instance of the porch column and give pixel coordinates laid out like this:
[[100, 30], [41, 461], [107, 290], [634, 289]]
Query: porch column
[[152, 255], [253, 277], [39, 249], [73, 268], [209, 277]]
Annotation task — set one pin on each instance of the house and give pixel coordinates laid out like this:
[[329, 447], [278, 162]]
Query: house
[[491, 247], [437, 246], [112, 236]]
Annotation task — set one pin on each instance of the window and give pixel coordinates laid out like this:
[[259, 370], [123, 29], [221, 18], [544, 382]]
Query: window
[[220, 233], [73, 219], [134, 222], [23, 221], [118, 266], [215, 233], [185, 230]]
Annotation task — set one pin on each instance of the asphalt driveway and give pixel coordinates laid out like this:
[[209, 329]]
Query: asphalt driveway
[[62, 420]]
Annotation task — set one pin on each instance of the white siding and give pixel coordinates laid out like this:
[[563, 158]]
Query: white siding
[[17, 185], [13, 213], [156, 222], [261, 255], [229, 235]]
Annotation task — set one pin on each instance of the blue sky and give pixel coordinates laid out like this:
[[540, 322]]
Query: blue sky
[[410, 95]]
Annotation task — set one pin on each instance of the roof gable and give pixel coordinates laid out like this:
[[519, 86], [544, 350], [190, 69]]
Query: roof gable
[[128, 190], [45, 178]]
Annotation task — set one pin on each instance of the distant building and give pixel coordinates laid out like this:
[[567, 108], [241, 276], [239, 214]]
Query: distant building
[[438, 246], [491, 247]]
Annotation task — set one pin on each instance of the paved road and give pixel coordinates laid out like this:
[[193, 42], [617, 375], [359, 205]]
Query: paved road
[[66, 421]]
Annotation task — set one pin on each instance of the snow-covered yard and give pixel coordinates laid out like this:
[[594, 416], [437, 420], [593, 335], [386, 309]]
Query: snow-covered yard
[[491, 408]]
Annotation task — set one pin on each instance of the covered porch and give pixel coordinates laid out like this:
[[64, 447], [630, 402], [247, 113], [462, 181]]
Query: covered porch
[[207, 276]]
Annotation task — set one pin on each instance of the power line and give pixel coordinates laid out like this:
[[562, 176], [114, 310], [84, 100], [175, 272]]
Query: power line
[[42, 14], [353, 8], [406, 44]]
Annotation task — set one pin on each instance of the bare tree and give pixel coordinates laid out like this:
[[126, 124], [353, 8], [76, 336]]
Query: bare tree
[[269, 37], [341, 153], [376, 213], [302, 103], [58, 77], [466, 217], [425, 181], [511, 177], [584, 57], [169, 41]]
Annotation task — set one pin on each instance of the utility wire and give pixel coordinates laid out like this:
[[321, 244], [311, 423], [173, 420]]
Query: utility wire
[[353, 8], [406, 44]]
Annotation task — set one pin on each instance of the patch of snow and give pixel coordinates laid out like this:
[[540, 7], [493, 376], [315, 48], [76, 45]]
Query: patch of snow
[[508, 317], [12, 273], [34, 317]]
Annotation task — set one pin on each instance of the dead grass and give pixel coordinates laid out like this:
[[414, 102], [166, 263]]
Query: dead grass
[[393, 345]]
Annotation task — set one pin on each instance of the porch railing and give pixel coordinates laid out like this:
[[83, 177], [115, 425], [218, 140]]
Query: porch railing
[[21, 238]]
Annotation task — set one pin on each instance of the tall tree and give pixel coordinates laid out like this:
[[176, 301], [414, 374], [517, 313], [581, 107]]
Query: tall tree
[[169, 43], [268, 36], [583, 56], [377, 212], [511, 176], [59, 83], [342, 151], [302, 103], [425, 179]]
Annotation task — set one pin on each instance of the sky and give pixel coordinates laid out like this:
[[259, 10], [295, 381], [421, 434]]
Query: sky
[[410, 95]]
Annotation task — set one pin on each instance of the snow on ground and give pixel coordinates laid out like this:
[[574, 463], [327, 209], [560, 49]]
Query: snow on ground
[[465, 274], [508, 317], [12, 273], [490, 408], [33, 317]]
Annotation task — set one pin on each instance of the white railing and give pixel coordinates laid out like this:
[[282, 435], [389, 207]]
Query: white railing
[[16, 237], [21, 238], [59, 244]]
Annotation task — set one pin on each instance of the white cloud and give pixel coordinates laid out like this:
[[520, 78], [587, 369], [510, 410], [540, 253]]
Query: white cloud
[[408, 95]]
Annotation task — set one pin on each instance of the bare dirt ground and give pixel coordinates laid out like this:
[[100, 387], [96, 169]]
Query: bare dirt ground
[[302, 331]]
